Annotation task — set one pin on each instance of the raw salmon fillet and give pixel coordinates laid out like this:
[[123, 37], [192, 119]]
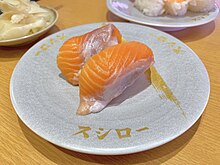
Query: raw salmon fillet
[[74, 53], [107, 74]]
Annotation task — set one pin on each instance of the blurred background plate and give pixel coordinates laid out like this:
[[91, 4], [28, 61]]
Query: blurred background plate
[[126, 10]]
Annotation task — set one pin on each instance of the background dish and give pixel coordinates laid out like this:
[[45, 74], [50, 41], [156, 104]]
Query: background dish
[[33, 37], [126, 10], [174, 101]]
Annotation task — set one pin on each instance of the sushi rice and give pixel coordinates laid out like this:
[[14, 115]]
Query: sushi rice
[[201, 5], [150, 7]]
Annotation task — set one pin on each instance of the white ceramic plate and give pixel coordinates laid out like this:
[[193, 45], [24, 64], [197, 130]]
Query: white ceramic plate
[[154, 114], [126, 10]]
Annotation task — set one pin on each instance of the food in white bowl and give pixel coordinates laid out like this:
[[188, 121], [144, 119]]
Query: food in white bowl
[[173, 7], [21, 18]]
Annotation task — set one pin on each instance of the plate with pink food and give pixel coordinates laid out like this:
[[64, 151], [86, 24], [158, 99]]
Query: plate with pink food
[[166, 15], [109, 88]]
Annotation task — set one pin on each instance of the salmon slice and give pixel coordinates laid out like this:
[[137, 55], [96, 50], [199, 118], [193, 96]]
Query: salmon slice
[[74, 53], [107, 74]]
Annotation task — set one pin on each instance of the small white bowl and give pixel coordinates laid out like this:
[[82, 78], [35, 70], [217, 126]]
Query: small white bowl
[[33, 37]]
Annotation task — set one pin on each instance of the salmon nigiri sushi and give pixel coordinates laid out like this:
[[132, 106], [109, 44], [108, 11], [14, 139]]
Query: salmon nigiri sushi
[[74, 53], [107, 74]]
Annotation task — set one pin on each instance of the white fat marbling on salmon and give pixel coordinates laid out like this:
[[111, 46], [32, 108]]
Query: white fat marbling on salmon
[[123, 81]]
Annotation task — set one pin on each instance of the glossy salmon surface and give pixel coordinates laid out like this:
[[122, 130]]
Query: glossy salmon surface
[[74, 53], [107, 74]]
